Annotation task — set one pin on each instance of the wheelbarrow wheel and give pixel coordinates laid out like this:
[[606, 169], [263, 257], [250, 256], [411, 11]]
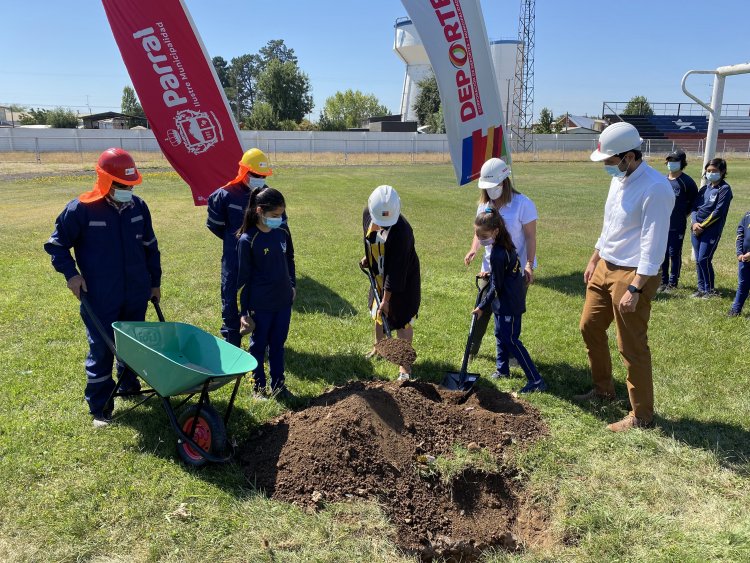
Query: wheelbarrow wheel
[[210, 434]]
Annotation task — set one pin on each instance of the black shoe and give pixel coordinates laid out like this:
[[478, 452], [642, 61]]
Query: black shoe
[[710, 294], [670, 287], [284, 395], [733, 313]]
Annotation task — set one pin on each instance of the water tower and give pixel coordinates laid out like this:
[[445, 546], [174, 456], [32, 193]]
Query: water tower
[[409, 48]]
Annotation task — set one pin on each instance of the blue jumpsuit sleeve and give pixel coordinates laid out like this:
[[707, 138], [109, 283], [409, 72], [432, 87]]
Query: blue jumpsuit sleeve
[[66, 233], [740, 236], [696, 205], [217, 213], [151, 248], [290, 256], [244, 273]]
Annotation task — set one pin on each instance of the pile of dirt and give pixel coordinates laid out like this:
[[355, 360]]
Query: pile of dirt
[[379, 441]]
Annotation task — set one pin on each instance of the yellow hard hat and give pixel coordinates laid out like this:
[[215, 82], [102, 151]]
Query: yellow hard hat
[[256, 162]]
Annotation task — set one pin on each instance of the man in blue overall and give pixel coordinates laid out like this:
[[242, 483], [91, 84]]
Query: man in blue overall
[[117, 264], [226, 209]]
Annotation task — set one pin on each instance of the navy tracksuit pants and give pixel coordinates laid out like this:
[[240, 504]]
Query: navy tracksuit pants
[[705, 246], [99, 382], [507, 332], [670, 268], [743, 285], [271, 329]]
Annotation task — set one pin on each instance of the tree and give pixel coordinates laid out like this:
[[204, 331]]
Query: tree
[[221, 67], [131, 106], [428, 99], [62, 118], [262, 118], [34, 117], [638, 105], [546, 123], [287, 89], [276, 50], [436, 121], [351, 108]]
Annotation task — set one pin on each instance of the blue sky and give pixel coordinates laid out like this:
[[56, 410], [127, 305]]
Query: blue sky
[[63, 53]]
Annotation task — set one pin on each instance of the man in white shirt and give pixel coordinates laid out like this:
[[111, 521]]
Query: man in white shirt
[[621, 276]]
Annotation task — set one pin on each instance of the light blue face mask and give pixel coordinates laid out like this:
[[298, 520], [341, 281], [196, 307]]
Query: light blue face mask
[[713, 176], [614, 170], [273, 222], [122, 196], [257, 182], [486, 241], [673, 166]]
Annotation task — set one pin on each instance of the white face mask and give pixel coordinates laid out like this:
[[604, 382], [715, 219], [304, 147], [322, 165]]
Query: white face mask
[[713, 176], [673, 166], [494, 193], [486, 241], [122, 196], [256, 182]]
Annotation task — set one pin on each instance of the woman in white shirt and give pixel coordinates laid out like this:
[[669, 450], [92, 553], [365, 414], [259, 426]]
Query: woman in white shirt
[[520, 216]]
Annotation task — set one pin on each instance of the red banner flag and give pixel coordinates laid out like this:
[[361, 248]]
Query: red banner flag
[[178, 89]]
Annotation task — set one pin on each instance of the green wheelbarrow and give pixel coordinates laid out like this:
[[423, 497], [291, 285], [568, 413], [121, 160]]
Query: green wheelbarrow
[[178, 359]]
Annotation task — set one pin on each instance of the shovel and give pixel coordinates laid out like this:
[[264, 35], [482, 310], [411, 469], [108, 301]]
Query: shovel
[[462, 381], [395, 350]]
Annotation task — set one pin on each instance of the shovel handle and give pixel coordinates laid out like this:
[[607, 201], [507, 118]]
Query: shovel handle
[[374, 287]]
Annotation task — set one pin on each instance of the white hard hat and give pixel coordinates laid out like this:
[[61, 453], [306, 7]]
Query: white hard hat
[[618, 138], [493, 172], [384, 205]]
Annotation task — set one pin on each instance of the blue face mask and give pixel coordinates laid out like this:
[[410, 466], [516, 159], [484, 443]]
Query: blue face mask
[[273, 222], [673, 166], [614, 170], [122, 196], [713, 176]]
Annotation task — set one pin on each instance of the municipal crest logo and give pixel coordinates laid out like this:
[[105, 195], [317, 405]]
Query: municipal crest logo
[[197, 131]]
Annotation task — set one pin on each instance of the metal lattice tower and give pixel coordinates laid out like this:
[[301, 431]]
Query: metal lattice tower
[[523, 92]]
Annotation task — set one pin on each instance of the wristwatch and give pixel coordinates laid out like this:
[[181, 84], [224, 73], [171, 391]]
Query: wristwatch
[[633, 289]]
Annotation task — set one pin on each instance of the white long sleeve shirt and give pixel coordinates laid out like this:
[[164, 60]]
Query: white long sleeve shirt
[[636, 221]]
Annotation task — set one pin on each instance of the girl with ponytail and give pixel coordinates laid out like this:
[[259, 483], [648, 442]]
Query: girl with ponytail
[[266, 285], [507, 298]]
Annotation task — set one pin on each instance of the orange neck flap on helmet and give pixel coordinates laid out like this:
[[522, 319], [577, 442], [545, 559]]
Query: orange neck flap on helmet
[[101, 187], [241, 173]]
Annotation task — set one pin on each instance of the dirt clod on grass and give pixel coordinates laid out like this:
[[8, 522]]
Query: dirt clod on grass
[[397, 351], [437, 467]]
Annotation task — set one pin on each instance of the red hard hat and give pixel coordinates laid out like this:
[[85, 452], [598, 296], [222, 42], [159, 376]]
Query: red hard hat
[[120, 166]]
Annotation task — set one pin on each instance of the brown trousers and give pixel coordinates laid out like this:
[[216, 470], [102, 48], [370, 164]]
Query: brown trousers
[[603, 293]]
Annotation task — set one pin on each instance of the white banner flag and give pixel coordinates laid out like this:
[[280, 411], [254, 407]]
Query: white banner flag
[[455, 38]]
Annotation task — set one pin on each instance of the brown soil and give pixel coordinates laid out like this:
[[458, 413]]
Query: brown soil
[[397, 351], [376, 440]]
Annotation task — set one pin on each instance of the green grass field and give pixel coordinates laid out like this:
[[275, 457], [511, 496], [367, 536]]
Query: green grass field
[[72, 493]]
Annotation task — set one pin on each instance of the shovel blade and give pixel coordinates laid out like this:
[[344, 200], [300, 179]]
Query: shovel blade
[[457, 381]]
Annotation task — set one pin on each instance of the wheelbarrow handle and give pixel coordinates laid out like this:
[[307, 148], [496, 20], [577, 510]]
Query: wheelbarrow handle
[[155, 303], [97, 323], [374, 287]]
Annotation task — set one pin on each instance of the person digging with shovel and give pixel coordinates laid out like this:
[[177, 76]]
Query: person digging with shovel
[[392, 263]]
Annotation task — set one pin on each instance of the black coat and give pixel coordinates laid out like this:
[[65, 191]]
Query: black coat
[[401, 271]]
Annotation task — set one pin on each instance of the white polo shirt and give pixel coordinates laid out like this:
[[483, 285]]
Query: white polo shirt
[[636, 221], [519, 212]]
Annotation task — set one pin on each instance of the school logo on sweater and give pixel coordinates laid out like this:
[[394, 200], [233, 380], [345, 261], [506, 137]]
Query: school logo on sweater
[[283, 247]]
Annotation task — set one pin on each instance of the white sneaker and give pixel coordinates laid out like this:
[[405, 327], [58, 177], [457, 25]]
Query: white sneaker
[[101, 422], [403, 376]]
